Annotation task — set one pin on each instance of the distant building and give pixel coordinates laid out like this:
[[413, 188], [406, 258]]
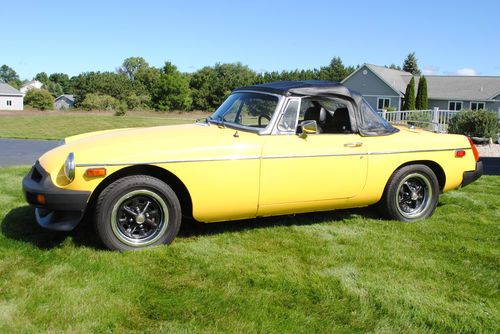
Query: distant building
[[383, 88], [33, 84], [64, 101], [10, 98]]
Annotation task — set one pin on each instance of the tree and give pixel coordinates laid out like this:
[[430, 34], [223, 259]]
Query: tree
[[105, 83], [131, 66], [63, 80], [335, 71], [410, 64], [210, 86], [409, 103], [422, 102], [39, 99], [171, 90], [42, 77], [7, 74], [394, 67]]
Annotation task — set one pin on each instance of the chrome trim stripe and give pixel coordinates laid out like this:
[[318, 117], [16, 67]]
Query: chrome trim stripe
[[232, 158], [418, 151], [310, 155], [170, 161]]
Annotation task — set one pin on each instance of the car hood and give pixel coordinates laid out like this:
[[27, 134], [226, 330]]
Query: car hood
[[153, 145]]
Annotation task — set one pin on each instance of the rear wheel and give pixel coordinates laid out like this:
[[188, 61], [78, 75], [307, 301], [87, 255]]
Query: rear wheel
[[411, 194], [136, 212]]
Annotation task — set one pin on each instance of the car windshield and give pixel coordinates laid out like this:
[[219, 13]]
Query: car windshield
[[251, 110]]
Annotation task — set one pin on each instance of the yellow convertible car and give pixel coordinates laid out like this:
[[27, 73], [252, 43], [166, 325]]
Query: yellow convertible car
[[271, 149]]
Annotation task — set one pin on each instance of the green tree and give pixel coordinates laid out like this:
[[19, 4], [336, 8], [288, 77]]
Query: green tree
[[54, 88], [105, 83], [9, 76], [410, 64], [42, 77], [409, 103], [422, 102], [171, 90], [211, 85], [335, 71], [394, 67], [102, 102], [131, 66], [147, 76], [39, 99], [63, 80]]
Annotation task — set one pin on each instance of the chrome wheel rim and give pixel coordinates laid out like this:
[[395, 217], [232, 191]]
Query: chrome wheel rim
[[414, 195], [139, 218]]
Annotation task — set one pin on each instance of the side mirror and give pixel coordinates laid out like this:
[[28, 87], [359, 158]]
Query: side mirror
[[309, 128]]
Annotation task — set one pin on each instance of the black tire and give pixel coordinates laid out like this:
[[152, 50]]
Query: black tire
[[136, 212], [411, 194]]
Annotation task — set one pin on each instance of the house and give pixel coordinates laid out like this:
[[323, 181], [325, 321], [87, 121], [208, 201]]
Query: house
[[384, 88], [33, 84], [10, 98], [64, 101]]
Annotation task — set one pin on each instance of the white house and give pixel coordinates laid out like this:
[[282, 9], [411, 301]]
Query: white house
[[10, 98], [33, 84]]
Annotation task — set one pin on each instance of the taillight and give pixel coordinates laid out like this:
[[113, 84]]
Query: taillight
[[474, 149]]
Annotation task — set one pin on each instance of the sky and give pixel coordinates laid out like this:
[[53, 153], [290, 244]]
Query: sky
[[448, 37]]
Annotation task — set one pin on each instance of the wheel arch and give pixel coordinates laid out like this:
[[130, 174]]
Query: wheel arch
[[434, 166], [160, 173]]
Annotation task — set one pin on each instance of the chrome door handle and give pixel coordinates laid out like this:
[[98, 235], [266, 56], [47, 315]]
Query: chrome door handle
[[354, 144]]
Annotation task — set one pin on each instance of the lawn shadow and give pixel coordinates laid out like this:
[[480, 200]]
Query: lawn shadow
[[20, 224], [191, 228]]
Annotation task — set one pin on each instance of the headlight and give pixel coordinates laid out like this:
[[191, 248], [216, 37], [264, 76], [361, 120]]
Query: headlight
[[69, 167]]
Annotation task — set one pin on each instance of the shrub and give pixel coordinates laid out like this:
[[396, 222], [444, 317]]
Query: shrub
[[39, 99], [102, 102], [480, 123]]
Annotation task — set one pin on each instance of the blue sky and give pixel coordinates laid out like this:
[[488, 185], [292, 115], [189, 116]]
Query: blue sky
[[449, 37]]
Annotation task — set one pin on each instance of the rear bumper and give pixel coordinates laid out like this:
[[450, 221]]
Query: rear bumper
[[61, 209], [472, 176]]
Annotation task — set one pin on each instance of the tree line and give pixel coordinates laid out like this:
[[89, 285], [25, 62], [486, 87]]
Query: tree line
[[137, 85]]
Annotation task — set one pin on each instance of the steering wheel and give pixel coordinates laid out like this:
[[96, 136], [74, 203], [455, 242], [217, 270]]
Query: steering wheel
[[263, 116]]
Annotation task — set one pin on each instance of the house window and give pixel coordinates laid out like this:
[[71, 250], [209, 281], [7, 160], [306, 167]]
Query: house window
[[455, 105], [9, 103], [477, 105], [383, 103]]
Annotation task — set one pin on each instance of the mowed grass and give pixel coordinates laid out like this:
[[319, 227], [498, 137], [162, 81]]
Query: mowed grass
[[59, 125], [345, 271]]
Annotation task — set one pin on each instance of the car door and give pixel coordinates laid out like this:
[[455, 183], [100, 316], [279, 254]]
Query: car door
[[311, 169]]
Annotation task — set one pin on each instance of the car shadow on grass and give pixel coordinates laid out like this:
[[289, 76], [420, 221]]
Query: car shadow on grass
[[20, 224]]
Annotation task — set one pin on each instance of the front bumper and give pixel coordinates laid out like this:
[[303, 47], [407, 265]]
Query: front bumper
[[60, 209], [472, 176]]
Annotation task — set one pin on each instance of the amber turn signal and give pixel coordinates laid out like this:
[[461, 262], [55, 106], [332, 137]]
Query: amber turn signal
[[40, 199], [459, 153], [95, 172]]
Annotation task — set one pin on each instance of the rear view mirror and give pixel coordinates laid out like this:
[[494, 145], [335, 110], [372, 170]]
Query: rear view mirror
[[309, 128]]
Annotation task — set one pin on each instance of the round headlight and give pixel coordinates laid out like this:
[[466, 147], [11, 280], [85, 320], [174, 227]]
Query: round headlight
[[69, 167]]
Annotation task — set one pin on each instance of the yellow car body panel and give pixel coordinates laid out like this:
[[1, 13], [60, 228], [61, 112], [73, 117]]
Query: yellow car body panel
[[233, 174]]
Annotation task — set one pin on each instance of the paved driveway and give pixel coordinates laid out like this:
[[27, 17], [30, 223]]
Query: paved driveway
[[22, 151]]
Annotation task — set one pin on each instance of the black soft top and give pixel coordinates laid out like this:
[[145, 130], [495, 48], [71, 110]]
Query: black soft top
[[303, 88], [369, 122]]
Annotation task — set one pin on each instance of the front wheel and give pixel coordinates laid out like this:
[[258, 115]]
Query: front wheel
[[136, 212], [411, 194]]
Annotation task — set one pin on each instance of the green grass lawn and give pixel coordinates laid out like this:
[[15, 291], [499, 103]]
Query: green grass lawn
[[60, 125], [344, 271]]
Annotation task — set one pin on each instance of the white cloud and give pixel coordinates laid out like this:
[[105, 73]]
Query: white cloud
[[466, 71], [429, 70]]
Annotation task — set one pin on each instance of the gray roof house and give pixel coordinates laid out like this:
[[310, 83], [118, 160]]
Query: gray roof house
[[383, 88], [64, 101], [10, 98]]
